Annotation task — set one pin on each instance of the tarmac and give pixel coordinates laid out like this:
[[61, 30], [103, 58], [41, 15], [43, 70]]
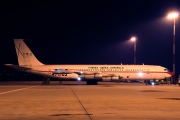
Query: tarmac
[[77, 101]]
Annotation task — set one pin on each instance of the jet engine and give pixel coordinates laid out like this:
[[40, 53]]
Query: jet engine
[[112, 78], [92, 76]]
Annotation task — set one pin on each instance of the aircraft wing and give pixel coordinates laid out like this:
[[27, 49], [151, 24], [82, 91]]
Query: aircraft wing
[[52, 74]]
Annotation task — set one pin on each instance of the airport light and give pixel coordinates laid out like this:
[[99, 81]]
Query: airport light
[[173, 16], [134, 40]]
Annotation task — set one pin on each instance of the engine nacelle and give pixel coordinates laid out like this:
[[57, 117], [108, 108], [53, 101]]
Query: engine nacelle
[[113, 78], [95, 76]]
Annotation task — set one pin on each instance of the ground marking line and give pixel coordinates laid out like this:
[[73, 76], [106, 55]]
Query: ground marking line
[[16, 90], [80, 103]]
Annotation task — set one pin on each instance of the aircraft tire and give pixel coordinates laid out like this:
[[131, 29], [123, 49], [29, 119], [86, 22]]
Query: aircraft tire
[[91, 82], [95, 82], [88, 82], [48, 83], [43, 83]]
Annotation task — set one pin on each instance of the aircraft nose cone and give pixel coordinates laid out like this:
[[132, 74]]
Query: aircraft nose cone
[[171, 73]]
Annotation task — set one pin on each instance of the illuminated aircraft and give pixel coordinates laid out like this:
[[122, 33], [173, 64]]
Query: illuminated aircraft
[[89, 73]]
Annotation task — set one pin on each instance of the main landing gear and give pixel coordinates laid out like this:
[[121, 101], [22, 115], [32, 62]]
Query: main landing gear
[[91, 82], [46, 81]]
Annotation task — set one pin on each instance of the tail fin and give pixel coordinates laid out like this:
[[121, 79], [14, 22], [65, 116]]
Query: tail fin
[[24, 55]]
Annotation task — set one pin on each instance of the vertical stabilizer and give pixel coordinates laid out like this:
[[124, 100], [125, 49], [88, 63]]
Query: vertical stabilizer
[[24, 55]]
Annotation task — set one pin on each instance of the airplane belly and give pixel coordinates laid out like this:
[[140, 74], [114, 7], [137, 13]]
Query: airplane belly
[[144, 76], [68, 76]]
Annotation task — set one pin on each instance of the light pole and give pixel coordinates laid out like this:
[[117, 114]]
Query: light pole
[[134, 40], [173, 16]]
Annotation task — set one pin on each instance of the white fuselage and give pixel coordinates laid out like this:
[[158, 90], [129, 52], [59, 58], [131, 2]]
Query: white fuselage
[[128, 72]]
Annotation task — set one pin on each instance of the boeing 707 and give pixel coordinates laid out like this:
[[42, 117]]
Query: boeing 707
[[90, 73]]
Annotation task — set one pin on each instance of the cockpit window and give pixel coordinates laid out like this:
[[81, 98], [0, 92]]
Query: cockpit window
[[166, 70]]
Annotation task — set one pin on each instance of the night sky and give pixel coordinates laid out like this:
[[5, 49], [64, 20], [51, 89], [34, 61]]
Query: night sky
[[91, 31]]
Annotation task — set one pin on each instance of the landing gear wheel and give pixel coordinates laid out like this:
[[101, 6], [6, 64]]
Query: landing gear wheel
[[60, 82], [43, 82], [46, 81], [91, 82]]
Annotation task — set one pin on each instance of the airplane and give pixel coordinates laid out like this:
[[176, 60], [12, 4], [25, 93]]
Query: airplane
[[90, 73]]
